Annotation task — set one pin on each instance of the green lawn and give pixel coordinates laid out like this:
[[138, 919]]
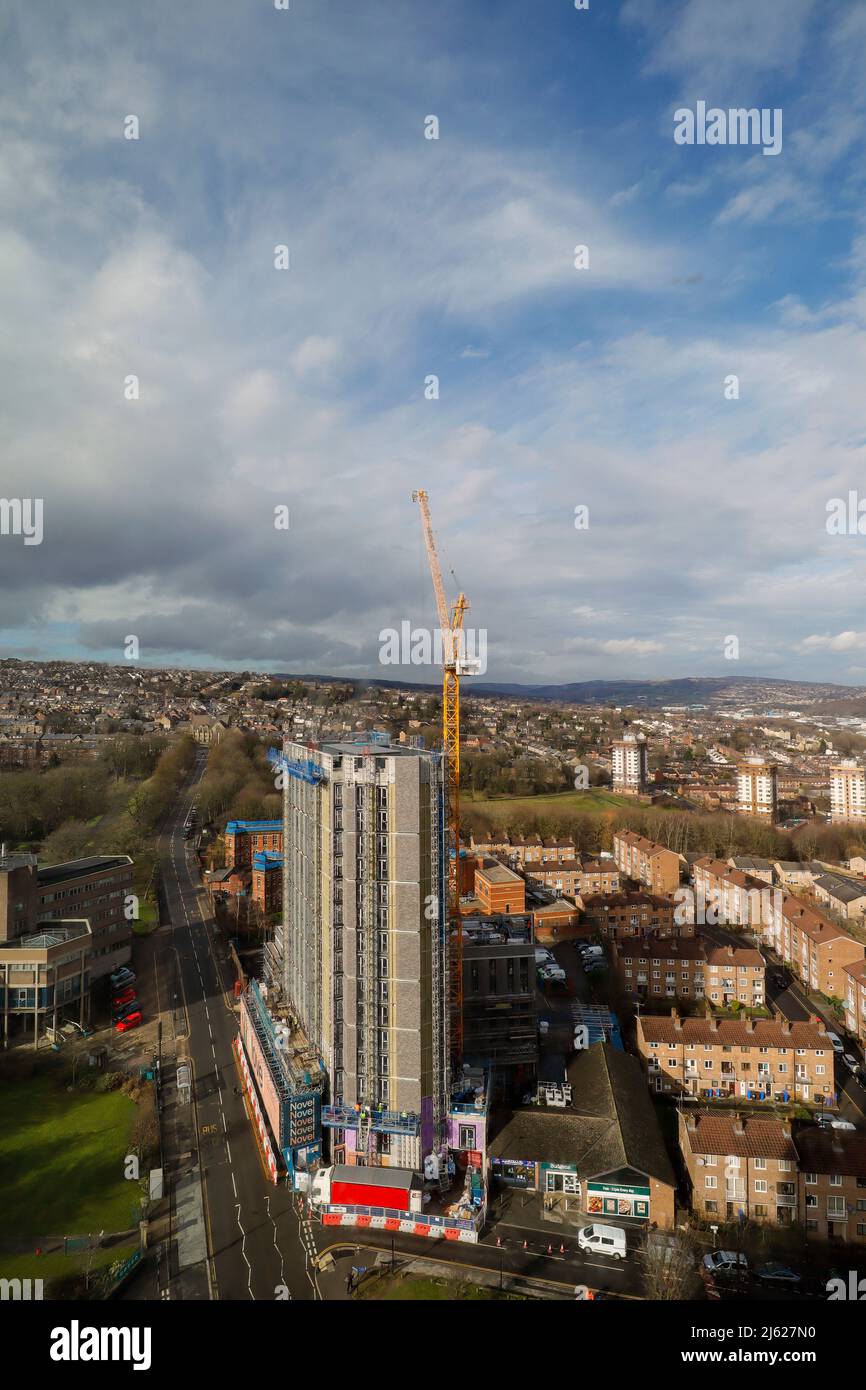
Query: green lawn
[[61, 1156], [55, 1266], [594, 801]]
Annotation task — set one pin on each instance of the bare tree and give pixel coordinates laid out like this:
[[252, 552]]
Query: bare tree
[[670, 1265]]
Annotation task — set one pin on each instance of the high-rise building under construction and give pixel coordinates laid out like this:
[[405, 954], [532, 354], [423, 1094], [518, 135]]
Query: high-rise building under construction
[[361, 954]]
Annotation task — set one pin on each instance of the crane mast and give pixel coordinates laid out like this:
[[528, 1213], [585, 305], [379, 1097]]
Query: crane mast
[[450, 625]]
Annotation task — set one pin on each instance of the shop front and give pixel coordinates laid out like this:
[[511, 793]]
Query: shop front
[[617, 1199]]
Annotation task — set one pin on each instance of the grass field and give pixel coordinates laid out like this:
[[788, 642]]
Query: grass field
[[593, 802], [55, 1266], [61, 1160]]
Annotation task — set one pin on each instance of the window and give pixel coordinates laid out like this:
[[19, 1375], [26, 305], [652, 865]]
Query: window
[[760, 1164], [761, 1185], [710, 1181], [835, 1180], [712, 1206]]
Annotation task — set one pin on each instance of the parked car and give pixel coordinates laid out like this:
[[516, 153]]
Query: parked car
[[128, 1021], [132, 1007], [125, 997], [836, 1043], [779, 1274], [121, 978], [551, 972], [718, 1260], [850, 1062], [604, 1240], [838, 1123]]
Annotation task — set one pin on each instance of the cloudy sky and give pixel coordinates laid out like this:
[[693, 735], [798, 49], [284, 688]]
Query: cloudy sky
[[409, 258]]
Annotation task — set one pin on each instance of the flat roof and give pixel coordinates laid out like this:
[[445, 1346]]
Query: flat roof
[[80, 868]]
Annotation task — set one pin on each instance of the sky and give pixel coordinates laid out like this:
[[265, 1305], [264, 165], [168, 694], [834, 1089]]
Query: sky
[[605, 386]]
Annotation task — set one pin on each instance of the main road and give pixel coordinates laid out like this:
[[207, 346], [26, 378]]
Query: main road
[[259, 1246]]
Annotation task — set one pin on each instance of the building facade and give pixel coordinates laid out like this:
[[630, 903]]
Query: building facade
[[361, 955], [98, 889], [750, 1059], [740, 1168], [651, 864], [758, 788], [630, 764], [847, 793]]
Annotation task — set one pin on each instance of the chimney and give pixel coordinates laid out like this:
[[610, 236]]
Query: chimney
[[786, 1128], [714, 1025], [750, 1025], [678, 1023], [739, 1127], [691, 1122], [786, 1027], [730, 953]]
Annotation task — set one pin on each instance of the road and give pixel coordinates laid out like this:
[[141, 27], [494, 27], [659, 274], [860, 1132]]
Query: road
[[258, 1247]]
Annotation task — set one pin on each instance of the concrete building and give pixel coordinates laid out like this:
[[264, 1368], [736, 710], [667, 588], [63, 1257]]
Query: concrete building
[[750, 1058], [96, 889], [847, 793], [758, 788], [499, 1010], [630, 765], [44, 969], [362, 956]]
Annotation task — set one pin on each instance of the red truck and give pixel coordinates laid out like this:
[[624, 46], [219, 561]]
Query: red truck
[[396, 1189]]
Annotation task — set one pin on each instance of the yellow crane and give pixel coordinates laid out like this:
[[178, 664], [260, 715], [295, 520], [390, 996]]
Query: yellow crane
[[453, 666]]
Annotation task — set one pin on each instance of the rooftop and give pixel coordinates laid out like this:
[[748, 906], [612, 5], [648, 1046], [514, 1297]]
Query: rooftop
[[81, 868]]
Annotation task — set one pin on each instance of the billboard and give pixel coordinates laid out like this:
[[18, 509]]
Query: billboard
[[271, 1102]]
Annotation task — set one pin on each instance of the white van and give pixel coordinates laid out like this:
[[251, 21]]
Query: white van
[[836, 1043], [542, 954], [605, 1240]]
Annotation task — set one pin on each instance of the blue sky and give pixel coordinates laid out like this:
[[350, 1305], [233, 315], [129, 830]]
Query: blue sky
[[409, 258]]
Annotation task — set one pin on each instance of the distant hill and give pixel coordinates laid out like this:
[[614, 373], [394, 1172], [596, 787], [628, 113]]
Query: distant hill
[[686, 690]]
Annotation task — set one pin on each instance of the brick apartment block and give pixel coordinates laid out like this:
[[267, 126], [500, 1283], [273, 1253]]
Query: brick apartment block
[[816, 948], [499, 889], [855, 1000], [738, 1165], [644, 861], [749, 1058], [576, 877], [691, 969], [832, 1183], [758, 1168], [621, 915]]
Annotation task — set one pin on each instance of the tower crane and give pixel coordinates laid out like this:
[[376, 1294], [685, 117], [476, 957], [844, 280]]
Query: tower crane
[[453, 666]]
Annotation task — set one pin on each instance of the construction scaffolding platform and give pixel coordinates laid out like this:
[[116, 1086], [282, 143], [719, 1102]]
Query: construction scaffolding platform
[[340, 1116]]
